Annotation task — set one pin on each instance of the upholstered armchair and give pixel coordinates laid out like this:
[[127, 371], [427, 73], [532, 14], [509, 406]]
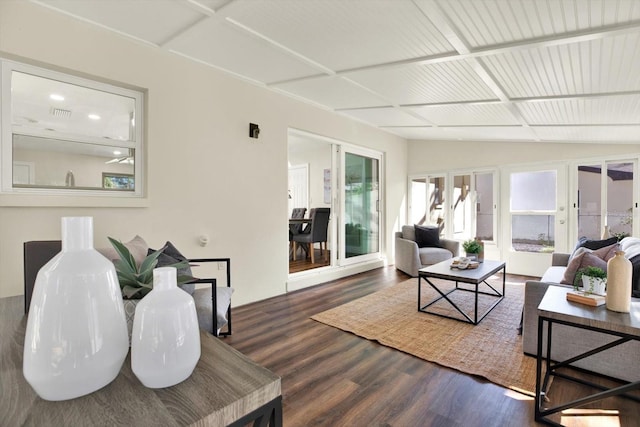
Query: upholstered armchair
[[410, 257]]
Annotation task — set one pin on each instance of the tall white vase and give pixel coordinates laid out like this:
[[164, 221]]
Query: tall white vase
[[76, 337], [619, 275], [165, 343]]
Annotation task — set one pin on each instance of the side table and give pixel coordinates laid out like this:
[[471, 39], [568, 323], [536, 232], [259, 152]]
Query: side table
[[554, 308], [225, 388]]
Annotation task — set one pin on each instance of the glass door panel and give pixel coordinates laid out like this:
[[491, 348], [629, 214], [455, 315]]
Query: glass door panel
[[418, 209], [589, 201], [361, 205], [461, 208], [535, 220], [619, 199], [533, 206], [436, 202], [485, 218]]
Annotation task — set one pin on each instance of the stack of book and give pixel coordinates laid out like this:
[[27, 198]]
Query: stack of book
[[592, 300]]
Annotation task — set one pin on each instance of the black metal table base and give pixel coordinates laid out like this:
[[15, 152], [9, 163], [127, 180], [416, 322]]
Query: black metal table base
[[445, 295], [269, 414], [551, 369]]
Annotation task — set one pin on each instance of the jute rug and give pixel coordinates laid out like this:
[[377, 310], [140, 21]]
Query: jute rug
[[492, 349]]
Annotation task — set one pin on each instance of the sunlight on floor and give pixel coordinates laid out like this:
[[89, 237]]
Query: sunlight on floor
[[518, 394], [590, 417]]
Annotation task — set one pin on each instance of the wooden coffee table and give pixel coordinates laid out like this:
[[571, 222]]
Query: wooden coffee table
[[476, 277]]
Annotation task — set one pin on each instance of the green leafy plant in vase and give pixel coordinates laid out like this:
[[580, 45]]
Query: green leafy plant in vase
[[593, 279], [136, 282], [473, 249]]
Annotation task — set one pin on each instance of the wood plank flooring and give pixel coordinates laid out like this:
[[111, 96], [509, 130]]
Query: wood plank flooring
[[334, 378]]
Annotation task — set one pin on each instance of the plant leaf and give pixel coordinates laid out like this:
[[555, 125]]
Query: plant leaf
[[124, 253], [149, 263]]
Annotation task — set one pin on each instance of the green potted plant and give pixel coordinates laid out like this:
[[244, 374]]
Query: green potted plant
[[593, 279], [136, 282], [473, 249]]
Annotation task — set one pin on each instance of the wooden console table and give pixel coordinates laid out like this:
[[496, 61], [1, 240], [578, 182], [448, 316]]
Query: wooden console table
[[555, 309], [226, 388]]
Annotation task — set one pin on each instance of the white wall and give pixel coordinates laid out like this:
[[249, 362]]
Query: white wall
[[205, 175]]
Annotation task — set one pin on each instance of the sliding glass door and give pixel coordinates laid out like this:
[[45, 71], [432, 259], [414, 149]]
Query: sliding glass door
[[361, 200], [605, 202]]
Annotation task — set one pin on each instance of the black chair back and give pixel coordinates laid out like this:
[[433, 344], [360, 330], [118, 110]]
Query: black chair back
[[320, 224]]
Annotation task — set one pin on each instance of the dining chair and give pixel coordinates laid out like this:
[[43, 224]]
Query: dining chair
[[317, 232]]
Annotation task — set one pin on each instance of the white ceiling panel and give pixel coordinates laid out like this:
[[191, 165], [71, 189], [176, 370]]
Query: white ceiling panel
[[495, 133], [335, 92], [491, 22], [387, 116], [154, 21], [240, 53], [467, 114], [596, 66], [478, 69], [423, 84], [343, 34], [583, 111], [629, 134]]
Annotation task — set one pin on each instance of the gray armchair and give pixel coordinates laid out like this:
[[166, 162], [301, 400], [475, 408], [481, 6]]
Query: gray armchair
[[410, 258]]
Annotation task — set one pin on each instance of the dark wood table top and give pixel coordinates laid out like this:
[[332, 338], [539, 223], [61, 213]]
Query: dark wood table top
[[443, 270], [224, 386]]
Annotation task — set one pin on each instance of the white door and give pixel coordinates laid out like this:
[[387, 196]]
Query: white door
[[298, 187], [535, 212]]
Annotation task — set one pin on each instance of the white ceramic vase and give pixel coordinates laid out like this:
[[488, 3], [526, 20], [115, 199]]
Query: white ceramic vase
[[619, 275], [76, 337], [595, 285], [165, 342]]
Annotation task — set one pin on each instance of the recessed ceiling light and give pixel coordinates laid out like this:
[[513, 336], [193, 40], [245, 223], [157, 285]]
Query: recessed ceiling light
[[94, 117], [117, 153], [56, 97]]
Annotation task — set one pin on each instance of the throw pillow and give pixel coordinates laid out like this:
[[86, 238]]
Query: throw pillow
[[427, 237], [585, 259], [595, 244], [137, 246], [607, 252], [172, 255]]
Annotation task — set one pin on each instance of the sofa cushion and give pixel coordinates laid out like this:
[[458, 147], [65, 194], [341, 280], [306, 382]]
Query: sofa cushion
[[137, 247], [595, 244], [554, 274], [585, 259], [171, 255], [429, 256], [427, 236], [409, 232]]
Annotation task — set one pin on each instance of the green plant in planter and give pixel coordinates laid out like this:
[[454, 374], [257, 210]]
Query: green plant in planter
[[589, 271], [137, 282], [472, 246]]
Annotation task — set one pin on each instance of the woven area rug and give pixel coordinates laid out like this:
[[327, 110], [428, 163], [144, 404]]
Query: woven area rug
[[492, 349]]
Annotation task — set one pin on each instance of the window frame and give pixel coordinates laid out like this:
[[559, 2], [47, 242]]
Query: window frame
[[16, 195]]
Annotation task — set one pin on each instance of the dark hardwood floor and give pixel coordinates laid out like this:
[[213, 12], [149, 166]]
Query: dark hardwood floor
[[334, 378], [303, 263]]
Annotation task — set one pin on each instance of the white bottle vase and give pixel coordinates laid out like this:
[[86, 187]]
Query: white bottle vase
[[619, 272], [165, 342], [76, 337]]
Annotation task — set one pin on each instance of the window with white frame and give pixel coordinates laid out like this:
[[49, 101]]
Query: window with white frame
[[62, 134]]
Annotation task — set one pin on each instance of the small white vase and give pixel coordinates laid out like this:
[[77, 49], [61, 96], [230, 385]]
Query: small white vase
[[165, 343], [76, 337], [594, 285]]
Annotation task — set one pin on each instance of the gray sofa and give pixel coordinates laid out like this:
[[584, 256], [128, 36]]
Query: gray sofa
[[568, 341], [410, 258]]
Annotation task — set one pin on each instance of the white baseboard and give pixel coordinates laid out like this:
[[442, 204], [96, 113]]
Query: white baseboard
[[316, 276]]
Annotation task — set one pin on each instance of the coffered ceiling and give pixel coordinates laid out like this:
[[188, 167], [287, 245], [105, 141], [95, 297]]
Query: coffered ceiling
[[480, 70]]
